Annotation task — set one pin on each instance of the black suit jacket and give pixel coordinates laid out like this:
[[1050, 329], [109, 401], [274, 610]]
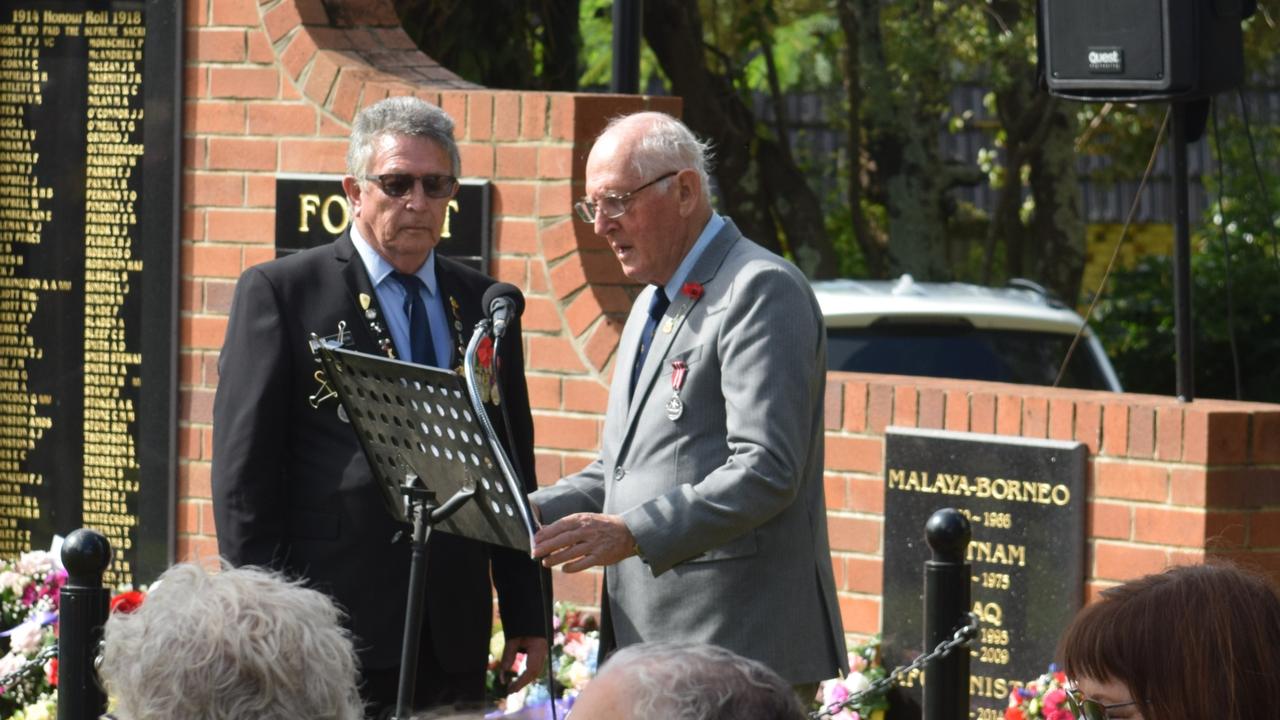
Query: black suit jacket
[[292, 489]]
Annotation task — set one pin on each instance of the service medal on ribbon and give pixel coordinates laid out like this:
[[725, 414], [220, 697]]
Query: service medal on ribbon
[[675, 406]]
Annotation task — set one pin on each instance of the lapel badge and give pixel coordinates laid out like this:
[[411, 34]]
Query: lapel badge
[[365, 302]]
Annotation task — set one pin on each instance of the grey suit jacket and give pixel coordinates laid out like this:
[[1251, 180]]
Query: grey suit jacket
[[726, 502]]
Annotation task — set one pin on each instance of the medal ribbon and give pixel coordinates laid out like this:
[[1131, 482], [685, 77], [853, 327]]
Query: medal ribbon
[[678, 371]]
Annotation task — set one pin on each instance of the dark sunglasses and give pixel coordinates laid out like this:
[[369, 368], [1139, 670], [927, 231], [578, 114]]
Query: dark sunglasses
[[1086, 709], [401, 184]]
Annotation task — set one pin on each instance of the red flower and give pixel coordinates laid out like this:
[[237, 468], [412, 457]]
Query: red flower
[[51, 672], [1014, 713], [484, 352], [692, 289], [127, 602]]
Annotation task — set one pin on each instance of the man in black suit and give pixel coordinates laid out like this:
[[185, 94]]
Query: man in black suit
[[292, 489]]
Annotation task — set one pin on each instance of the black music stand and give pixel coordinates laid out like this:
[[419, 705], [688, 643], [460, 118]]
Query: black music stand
[[427, 436]]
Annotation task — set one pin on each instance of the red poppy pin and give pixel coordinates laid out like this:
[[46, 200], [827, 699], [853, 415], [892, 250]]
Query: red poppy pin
[[692, 289], [484, 353], [126, 602]]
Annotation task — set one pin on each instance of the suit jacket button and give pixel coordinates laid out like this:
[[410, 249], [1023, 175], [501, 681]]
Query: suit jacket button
[[619, 473]]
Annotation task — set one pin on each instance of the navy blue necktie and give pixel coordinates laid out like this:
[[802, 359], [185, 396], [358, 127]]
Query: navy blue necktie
[[421, 350], [657, 308]]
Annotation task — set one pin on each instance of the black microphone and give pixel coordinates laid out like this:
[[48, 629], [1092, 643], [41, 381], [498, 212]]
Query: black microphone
[[502, 302]]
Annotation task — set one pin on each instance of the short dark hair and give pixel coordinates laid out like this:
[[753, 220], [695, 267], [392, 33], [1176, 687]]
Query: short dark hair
[[1197, 642]]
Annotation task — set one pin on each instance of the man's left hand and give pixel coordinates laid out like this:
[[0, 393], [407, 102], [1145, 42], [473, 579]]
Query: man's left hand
[[584, 540], [535, 659]]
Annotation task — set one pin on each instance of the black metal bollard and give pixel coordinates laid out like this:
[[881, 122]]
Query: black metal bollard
[[83, 610], [946, 604]]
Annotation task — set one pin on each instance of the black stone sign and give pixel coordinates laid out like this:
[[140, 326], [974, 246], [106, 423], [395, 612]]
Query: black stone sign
[[89, 168], [1025, 500], [312, 210]]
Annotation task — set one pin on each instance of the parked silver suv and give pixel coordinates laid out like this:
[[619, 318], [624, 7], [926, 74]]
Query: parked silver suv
[[1015, 334]]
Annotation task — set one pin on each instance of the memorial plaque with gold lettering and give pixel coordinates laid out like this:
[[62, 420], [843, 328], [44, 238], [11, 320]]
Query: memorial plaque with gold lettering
[[89, 93], [312, 210], [1025, 500]]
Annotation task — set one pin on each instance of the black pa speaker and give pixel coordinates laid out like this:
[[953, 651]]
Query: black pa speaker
[[1141, 50]]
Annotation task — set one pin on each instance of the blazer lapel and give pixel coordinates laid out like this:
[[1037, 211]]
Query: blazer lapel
[[370, 333], [459, 318], [702, 273]]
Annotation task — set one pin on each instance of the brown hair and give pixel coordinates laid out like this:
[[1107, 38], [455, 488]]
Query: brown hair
[[1198, 642]]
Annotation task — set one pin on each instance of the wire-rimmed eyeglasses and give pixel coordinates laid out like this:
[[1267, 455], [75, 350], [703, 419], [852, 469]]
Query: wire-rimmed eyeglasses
[[613, 206], [1086, 709]]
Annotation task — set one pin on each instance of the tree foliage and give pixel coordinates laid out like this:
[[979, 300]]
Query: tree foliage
[[889, 71], [1235, 277]]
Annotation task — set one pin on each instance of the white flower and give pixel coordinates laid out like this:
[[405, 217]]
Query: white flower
[[36, 562], [10, 663], [856, 683], [577, 649], [27, 638], [579, 675], [12, 581], [42, 709]]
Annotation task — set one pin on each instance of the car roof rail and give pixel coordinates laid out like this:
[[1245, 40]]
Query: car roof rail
[[1037, 288]]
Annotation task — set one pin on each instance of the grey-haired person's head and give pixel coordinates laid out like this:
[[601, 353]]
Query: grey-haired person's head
[[686, 681], [241, 643], [664, 144], [402, 115]]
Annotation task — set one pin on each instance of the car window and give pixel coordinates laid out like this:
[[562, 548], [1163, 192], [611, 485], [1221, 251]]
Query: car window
[[967, 353]]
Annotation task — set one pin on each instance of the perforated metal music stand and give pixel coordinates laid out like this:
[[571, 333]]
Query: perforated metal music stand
[[420, 430], [427, 437]]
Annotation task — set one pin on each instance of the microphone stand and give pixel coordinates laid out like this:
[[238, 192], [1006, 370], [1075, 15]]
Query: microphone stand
[[544, 574]]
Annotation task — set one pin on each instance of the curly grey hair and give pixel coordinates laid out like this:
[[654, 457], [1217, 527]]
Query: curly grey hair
[[695, 681], [242, 643], [404, 115], [666, 144]]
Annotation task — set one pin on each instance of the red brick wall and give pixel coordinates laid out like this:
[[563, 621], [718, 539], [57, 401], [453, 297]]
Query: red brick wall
[[1168, 482], [272, 87]]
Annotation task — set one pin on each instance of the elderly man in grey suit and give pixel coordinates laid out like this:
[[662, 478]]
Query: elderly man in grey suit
[[705, 505]]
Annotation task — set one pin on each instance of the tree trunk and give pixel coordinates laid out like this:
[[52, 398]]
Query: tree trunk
[[767, 196], [870, 240], [1039, 136], [1057, 225], [902, 124]]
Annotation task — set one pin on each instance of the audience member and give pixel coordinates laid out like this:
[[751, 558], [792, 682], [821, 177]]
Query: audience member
[[685, 681], [1199, 642], [242, 643]]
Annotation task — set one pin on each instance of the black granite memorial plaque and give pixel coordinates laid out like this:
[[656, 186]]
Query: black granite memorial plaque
[[312, 210], [1025, 500], [89, 96]]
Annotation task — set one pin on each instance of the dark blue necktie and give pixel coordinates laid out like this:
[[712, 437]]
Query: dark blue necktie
[[657, 308], [421, 350]]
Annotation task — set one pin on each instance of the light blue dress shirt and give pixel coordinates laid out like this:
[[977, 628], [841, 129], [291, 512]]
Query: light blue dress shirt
[[391, 296], [713, 226]]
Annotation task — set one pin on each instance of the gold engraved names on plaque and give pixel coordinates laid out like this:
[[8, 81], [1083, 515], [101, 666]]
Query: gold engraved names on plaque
[[113, 130]]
